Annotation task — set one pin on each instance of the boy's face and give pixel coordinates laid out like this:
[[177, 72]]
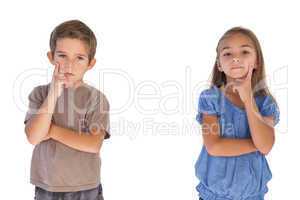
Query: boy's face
[[72, 55]]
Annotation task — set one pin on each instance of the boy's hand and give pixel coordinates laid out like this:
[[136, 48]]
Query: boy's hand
[[58, 82], [49, 135]]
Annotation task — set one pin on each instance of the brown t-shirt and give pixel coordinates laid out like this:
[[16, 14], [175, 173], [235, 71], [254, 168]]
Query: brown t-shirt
[[59, 168]]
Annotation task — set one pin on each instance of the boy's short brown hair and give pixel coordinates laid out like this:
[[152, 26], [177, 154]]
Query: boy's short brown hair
[[74, 29]]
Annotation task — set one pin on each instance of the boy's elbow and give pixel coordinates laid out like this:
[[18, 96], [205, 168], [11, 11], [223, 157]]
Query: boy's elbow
[[97, 139], [29, 136], [97, 146]]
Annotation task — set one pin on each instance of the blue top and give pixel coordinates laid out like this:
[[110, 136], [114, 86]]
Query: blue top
[[241, 177]]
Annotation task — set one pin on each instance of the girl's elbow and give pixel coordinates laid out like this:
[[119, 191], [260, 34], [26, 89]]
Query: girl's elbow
[[266, 149], [212, 150]]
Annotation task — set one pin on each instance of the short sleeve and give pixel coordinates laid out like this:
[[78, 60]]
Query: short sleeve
[[207, 104], [98, 117], [269, 108], [35, 101]]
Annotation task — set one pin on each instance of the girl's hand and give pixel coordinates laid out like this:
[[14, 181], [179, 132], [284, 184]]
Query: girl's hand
[[243, 86]]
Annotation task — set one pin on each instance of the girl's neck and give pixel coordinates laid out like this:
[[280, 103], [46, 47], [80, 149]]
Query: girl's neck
[[228, 89]]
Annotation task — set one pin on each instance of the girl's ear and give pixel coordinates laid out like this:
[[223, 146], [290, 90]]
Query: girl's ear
[[50, 57], [256, 64], [218, 65]]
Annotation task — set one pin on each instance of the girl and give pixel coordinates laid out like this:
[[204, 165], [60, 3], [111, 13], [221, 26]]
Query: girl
[[238, 115]]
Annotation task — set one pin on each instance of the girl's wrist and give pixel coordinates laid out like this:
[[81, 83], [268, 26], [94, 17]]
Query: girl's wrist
[[250, 103]]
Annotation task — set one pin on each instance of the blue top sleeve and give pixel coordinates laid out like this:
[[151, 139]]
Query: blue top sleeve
[[270, 108], [207, 104]]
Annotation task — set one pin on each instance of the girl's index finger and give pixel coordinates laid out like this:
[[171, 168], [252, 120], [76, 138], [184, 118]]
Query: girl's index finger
[[249, 75]]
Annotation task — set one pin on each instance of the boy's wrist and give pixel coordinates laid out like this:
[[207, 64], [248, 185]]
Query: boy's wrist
[[51, 132], [52, 95]]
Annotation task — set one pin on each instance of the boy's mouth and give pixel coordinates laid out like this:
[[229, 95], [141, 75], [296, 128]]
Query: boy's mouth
[[68, 74], [236, 68]]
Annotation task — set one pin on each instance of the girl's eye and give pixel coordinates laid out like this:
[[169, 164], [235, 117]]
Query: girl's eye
[[61, 56], [226, 54], [245, 52]]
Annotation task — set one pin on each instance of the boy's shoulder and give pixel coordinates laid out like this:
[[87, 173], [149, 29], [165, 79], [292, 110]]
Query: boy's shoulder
[[39, 92], [94, 93]]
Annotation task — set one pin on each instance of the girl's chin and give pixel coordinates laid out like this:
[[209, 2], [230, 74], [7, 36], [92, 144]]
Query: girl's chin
[[238, 75]]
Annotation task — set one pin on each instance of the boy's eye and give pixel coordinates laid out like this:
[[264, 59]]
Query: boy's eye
[[227, 54], [61, 55], [245, 52], [81, 58]]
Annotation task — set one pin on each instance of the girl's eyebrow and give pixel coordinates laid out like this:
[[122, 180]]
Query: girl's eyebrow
[[244, 45]]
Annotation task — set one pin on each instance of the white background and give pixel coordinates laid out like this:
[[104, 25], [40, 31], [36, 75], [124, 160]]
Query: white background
[[154, 43]]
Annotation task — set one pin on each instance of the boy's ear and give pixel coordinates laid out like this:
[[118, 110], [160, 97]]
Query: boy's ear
[[92, 63], [50, 57]]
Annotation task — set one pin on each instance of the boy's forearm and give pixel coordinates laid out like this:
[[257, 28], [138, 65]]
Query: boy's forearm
[[232, 147], [37, 128], [81, 141]]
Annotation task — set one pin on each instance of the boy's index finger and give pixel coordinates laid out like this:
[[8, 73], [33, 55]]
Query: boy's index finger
[[56, 69]]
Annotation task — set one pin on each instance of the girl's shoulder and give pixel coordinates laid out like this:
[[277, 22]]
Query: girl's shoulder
[[209, 100], [211, 93], [268, 106]]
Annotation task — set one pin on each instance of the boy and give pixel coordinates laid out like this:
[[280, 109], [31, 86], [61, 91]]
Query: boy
[[68, 120]]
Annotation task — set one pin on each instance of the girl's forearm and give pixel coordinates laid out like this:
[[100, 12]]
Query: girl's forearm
[[232, 147], [262, 132]]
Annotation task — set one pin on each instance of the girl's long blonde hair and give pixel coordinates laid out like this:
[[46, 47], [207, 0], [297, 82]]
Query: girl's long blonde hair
[[258, 82]]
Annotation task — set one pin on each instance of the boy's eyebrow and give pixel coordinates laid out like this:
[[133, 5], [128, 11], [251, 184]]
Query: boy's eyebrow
[[60, 52], [79, 54], [84, 55]]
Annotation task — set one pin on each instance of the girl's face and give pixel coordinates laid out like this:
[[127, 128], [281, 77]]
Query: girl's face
[[236, 54]]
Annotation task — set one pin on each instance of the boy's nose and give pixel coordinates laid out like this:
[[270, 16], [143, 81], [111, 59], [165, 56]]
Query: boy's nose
[[66, 68], [236, 60]]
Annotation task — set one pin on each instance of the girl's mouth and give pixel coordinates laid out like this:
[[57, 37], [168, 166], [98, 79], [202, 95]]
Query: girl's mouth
[[237, 67]]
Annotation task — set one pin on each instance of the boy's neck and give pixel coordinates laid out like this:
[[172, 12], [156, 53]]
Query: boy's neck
[[77, 84]]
